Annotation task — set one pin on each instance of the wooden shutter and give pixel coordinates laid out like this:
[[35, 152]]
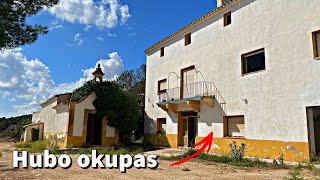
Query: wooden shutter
[[236, 126], [318, 43]]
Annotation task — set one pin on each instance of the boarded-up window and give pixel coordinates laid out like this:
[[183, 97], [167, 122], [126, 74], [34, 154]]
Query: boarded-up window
[[162, 86], [236, 126], [227, 18], [316, 43], [189, 76], [187, 39], [161, 125], [162, 52], [188, 82], [253, 61]]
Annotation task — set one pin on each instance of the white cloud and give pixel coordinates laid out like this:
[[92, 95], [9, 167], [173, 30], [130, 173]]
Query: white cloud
[[104, 15], [55, 25], [125, 15], [27, 83], [111, 67], [109, 34], [78, 40], [100, 38]]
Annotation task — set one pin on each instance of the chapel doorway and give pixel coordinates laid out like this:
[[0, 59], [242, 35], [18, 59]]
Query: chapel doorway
[[94, 130]]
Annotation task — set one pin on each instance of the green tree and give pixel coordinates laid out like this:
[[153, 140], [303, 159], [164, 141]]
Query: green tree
[[14, 31], [119, 106], [134, 81]]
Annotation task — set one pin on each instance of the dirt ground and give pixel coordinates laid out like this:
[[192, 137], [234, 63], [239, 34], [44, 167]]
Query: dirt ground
[[164, 171]]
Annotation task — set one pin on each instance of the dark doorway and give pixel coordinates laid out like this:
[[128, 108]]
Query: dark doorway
[[35, 134], [316, 124], [192, 131], [94, 129], [313, 119]]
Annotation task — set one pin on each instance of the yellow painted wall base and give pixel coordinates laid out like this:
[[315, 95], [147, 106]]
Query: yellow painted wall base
[[77, 141], [267, 149], [162, 140]]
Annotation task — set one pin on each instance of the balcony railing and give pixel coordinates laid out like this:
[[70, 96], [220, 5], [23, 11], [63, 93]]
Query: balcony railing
[[198, 89]]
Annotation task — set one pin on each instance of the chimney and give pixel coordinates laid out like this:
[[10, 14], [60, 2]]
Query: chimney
[[221, 2]]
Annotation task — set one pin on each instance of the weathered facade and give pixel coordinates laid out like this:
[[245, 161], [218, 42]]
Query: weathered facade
[[248, 72], [65, 122]]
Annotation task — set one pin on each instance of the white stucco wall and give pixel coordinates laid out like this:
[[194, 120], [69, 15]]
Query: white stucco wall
[[277, 97], [62, 119], [35, 117], [86, 104], [55, 119], [48, 116]]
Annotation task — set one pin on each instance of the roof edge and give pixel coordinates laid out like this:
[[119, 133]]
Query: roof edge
[[199, 21]]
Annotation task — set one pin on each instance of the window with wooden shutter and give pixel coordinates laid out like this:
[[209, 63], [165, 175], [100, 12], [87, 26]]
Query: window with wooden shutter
[[316, 43], [188, 82], [235, 126], [187, 39], [227, 18], [162, 52], [162, 86]]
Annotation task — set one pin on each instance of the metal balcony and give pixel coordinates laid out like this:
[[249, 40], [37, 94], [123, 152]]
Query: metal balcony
[[194, 91]]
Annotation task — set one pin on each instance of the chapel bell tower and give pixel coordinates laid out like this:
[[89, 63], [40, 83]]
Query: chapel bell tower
[[98, 74]]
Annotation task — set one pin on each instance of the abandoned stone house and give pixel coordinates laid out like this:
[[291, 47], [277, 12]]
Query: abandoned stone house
[[247, 71], [65, 122]]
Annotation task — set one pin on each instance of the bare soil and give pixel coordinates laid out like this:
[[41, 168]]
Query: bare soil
[[198, 170]]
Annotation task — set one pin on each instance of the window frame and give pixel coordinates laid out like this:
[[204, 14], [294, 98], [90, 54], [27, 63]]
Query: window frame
[[226, 127], [187, 39], [159, 130], [159, 83], [244, 56], [225, 16], [162, 52], [315, 43]]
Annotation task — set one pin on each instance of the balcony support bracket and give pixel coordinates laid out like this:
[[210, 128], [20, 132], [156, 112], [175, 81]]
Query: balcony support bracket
[[195, 105], [209, 101], [172, 107]]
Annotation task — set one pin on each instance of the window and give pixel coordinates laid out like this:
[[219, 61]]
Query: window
[[253, 61], [316, 44], [227, 18], [187, 39], [234, 126], [162, 86], [162, 52], [161, 125]]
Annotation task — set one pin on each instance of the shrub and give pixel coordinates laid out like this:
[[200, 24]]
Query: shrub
[[189, 153], [55, 150], [237, 152], [23, 145], [33, 147]]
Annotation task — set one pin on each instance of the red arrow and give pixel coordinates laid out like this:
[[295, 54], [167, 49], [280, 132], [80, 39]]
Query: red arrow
[[207, 142]]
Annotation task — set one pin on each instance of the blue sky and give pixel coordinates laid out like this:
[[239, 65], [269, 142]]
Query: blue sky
[[114, 33]]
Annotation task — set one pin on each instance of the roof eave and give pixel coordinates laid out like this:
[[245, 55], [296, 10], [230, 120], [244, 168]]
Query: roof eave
[[189, 26]]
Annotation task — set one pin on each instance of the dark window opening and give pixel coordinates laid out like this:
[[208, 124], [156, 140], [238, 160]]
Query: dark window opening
[[162, 52], [161, 125], [187, 39], [316, 43], [227, 19], [253, 61]]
